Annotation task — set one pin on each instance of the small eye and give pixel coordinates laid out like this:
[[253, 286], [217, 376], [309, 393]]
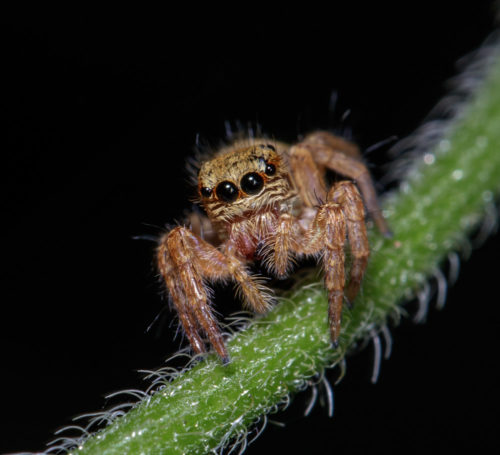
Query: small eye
[[252, 183], [270, 169], [227, 191], [206, 192], [272, 147]]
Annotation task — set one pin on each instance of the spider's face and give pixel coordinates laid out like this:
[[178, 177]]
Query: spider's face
[[242, 180]]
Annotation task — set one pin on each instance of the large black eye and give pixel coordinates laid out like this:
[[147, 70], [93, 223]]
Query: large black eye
[[252, 183], [206, 192], [227, 191]]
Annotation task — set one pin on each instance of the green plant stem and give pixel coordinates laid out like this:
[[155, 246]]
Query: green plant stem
[[442, 199]]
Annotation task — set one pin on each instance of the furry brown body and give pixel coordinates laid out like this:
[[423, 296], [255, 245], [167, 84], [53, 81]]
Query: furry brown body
[[268, 201]]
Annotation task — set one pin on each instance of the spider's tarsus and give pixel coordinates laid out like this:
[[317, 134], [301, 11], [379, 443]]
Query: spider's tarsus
[[334, 344], [226, 360]]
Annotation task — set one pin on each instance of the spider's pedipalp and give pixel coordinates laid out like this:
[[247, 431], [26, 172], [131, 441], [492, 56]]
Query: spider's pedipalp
[[255, 294]]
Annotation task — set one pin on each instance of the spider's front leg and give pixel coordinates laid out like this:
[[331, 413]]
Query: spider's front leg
[[341, 216], [184, 261], [347, 196]]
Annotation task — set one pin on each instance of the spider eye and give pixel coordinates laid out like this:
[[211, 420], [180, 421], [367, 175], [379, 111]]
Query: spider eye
[[227, 191], [252, 183], [270, 169], [206, 192]]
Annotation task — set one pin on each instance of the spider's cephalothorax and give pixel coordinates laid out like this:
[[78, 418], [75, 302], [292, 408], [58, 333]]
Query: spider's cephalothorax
[[239, 182], [268, 201]]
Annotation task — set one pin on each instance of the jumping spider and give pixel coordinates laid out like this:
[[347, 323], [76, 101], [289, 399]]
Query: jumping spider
[[269, 202]]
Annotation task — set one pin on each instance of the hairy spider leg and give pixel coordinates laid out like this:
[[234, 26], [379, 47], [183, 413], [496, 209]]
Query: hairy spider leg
[[185, 260], [344, 157], [341, 214]]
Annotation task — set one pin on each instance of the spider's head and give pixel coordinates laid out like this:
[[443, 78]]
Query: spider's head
[[240, 181]]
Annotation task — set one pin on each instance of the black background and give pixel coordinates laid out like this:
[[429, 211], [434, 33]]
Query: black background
[[100, 114]]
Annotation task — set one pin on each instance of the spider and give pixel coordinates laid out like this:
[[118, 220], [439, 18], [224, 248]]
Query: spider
[[269, 202]]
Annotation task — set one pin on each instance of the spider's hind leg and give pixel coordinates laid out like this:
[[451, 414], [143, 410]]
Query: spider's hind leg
[[341, 156]]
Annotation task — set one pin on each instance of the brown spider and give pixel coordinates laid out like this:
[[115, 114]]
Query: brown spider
[[263, 202]]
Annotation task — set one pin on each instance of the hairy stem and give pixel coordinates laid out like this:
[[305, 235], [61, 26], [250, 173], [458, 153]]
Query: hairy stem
[[444, 196]]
